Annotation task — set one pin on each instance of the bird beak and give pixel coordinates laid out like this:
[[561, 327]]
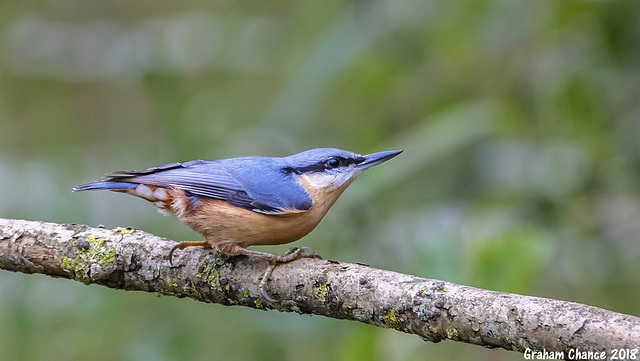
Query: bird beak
[[376, 158]]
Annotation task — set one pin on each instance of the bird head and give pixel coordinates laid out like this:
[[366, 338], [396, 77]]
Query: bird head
[[328, 169]]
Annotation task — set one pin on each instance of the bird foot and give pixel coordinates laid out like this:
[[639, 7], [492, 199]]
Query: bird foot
[[273, 260], [292, 254], [185, 244]]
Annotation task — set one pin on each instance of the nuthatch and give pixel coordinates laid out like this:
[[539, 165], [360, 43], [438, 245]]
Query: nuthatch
[[240, 202]]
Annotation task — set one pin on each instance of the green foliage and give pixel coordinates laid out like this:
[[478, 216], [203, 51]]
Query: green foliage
[[510, 261]]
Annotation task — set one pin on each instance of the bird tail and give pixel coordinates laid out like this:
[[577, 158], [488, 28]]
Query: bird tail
[[105, 185], [144, 191]]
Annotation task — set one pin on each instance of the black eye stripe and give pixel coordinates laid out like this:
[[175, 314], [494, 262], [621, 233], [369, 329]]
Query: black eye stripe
[[335, 162], [324, 165]]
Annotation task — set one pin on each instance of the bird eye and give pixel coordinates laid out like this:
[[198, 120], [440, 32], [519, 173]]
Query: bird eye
[[333, 163]]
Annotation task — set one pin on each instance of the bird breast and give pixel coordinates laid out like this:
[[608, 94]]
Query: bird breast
[[220, 222]]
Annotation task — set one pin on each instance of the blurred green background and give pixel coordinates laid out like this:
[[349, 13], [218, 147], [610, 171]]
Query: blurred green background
[[521, 170]]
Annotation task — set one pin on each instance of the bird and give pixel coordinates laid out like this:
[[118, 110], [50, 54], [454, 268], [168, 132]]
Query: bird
[[240, 202]]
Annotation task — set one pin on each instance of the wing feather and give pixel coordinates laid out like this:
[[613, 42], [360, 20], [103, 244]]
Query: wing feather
[[219, 180]]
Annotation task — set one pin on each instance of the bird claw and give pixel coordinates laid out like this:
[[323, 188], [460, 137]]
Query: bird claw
[[184, 244], [295, 253], [264, 294], [312, 253], [173, 249], [291, 254], [263, 282]]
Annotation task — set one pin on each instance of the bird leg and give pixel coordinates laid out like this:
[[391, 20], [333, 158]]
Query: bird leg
[[292, 254], [184, 244], [231, 249]]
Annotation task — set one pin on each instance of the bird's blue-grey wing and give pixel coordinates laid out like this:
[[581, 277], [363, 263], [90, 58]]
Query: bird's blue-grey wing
[[222, 180], [271, 189]]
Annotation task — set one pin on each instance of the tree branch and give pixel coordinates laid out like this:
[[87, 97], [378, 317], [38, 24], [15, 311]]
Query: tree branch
[[434, 310]]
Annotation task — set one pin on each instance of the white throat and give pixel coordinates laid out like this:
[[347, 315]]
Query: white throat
[[327, 181]]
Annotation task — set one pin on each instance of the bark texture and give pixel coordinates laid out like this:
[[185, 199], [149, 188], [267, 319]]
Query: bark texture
[[434, 310]]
